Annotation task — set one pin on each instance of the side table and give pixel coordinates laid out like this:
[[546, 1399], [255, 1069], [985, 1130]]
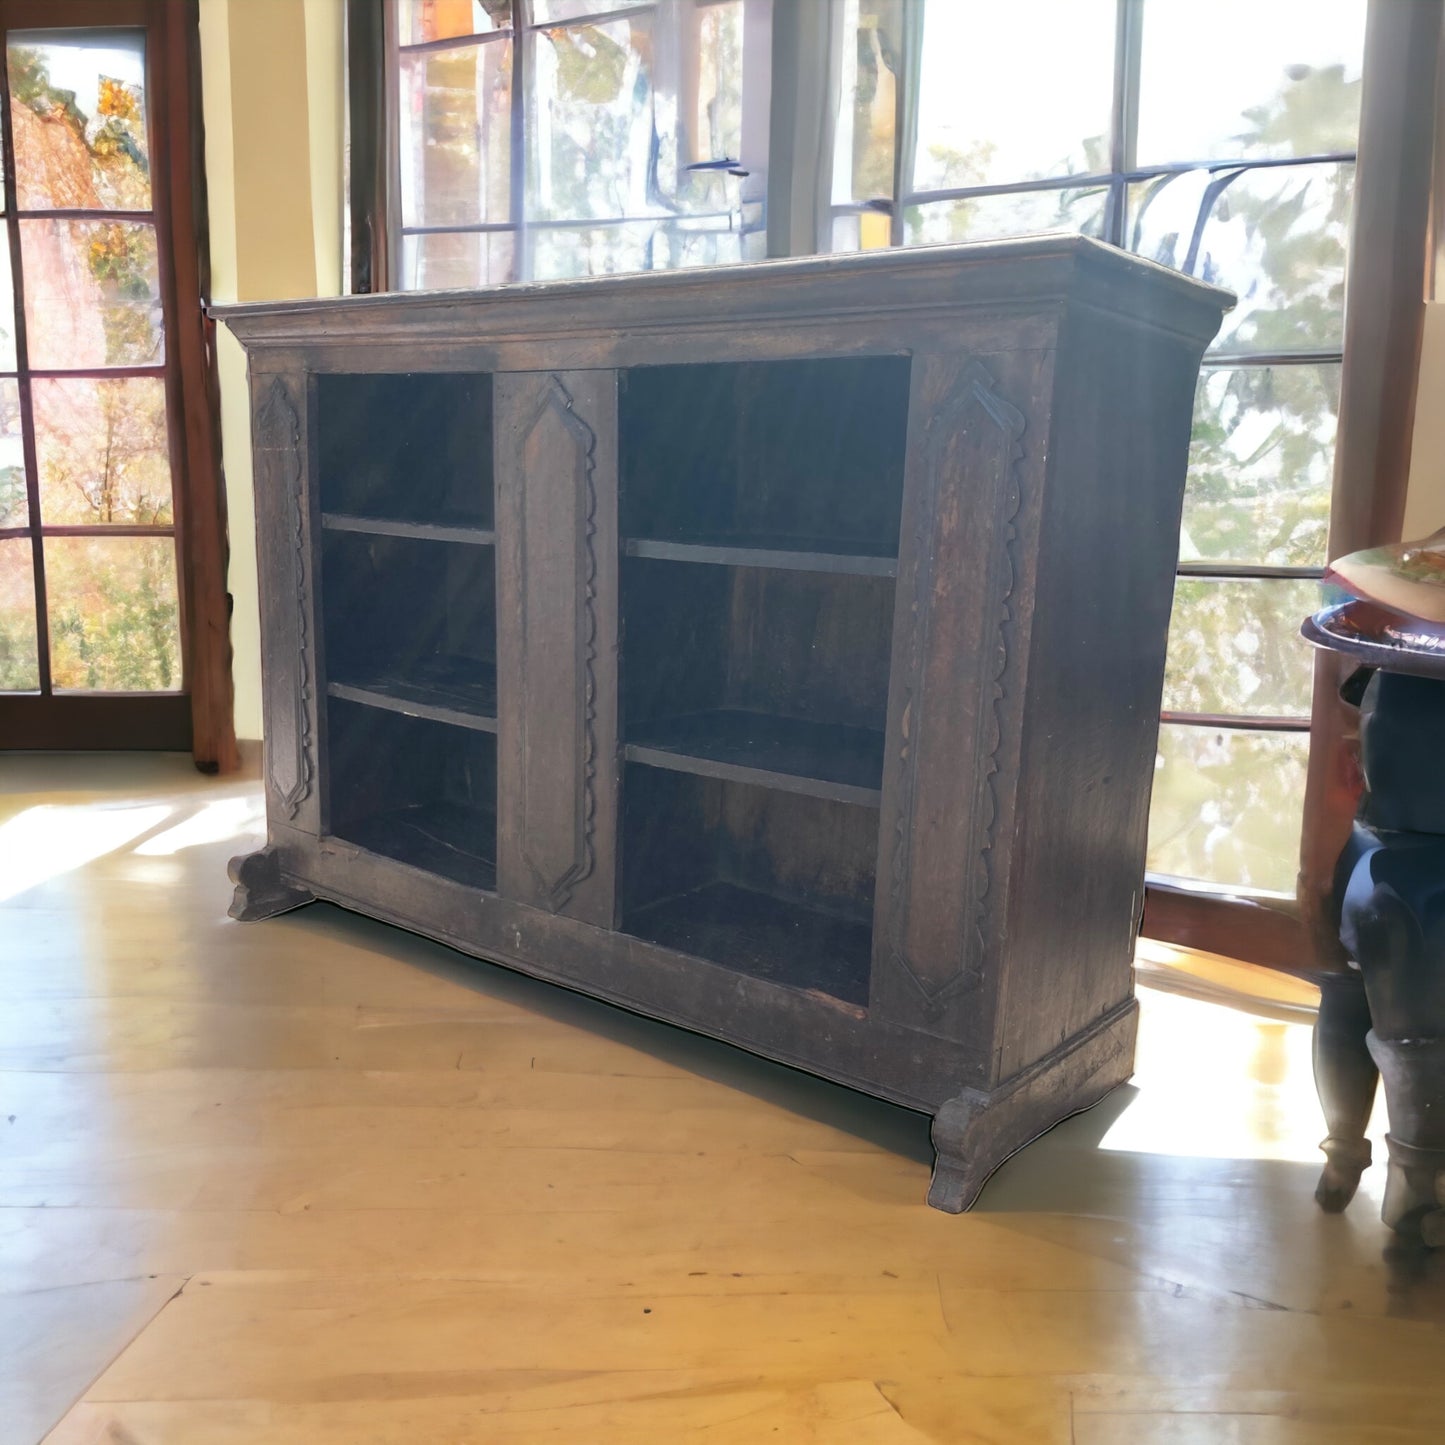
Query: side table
[[1386, 1019]]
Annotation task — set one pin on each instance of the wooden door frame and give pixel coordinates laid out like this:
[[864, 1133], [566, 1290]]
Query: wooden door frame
[[199, 718]]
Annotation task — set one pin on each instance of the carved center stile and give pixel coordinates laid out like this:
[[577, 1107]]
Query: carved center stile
[[972, 451]]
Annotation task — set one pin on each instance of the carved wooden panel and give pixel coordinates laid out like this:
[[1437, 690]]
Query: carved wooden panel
[[278, 443], [948, 786], [556, 462]]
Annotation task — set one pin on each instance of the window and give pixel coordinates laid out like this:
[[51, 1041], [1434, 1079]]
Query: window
[[538, 139], [1220, 142], [94, 452]]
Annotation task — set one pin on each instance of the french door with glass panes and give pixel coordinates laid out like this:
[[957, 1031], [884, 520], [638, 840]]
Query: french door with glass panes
[[92, 621]]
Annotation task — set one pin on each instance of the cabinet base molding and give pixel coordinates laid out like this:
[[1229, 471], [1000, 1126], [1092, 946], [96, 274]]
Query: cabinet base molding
[[978, 1130], [261, 892]]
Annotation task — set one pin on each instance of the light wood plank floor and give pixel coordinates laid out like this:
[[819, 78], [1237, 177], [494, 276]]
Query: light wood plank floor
[[315, 1180]]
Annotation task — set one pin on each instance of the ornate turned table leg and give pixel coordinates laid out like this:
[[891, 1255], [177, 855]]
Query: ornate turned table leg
[[260, 890], [1345, 1079]]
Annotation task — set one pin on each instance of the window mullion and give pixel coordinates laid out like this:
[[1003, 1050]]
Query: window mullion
[[1124, 122], [905, 116], [522, 42]]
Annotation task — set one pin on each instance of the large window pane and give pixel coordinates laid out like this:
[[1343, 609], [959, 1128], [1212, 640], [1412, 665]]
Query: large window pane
[[1274, 237], [92, 294], [78, 112], [19, 667], [449, 260], [456, 135], [1013, 92], [1235, 648], [1016, 213], [102, 451], [14, 504], [1261, 462], [1227, 806], [418, 21], [114, 623], [1241, 79]]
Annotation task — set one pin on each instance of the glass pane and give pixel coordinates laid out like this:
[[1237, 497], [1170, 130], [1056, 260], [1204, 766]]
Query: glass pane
[[457, 259], [714, 85], [863, 147], [1014, 92], [7, 310], [101, 451], [1261, 464], [92, 294], [546, 11], [559, 252], [1018, 213], [14, 505], [418, 21], [456, 135], [1243, 80], [77, 106], [606, 141], [1274, 237], [1235, 648], [19, 665], [114, 620], [592, 120], [1227, 806]]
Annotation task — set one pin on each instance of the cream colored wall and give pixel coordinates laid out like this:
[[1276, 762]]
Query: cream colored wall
[[272, 73], [1425, 500]]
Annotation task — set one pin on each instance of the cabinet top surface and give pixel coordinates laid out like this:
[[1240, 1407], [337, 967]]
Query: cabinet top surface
[[1029, 271]]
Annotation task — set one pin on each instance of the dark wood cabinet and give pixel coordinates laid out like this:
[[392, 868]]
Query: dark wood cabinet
[[776, 651]]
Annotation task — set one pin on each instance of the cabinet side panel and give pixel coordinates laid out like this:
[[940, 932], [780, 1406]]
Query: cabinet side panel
[[556, 470], [978, 428], [279, 441], [1108, 549]]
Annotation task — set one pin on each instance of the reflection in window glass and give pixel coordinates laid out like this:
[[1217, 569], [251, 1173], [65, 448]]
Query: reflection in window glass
[[92, 294], [1261, 465], [1274, 237], [1227, 807], [78, 114], [114, 618], [606, 143], [456, 153], [450, 260], [865, 142], [19, 660], [986, 116], [1238, 79], [14, 503], [421, 21], [102, 451], [7, 312], [544, 12], [1235, 648], [1016, 213]]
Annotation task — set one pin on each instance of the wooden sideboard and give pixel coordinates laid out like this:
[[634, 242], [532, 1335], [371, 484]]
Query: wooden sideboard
[[775, 650]]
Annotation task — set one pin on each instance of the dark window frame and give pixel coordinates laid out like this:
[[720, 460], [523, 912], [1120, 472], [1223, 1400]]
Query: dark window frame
[[199, 716]]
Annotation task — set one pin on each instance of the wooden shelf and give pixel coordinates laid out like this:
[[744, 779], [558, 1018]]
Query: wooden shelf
[[787, 554], [420, 531], [460, 691], [448, 839], [819, 760], [762, 936]]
